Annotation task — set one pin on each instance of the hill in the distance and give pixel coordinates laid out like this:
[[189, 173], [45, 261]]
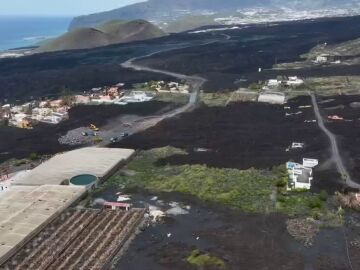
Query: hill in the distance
[[194, 13], [112, 32]]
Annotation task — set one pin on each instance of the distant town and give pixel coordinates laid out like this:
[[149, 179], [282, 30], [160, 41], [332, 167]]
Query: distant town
[[54, 111]]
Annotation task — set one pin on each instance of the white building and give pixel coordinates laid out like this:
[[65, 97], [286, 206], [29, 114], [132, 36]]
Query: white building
[[16, 109], [40, 113], [273, 83], [272, 97], [55, 118], [322, 58], [136, 96], [300, 177], [294, 81], [310, 163]]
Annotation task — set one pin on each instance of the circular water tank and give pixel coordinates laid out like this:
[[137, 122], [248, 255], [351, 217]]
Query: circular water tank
[[87, 180]]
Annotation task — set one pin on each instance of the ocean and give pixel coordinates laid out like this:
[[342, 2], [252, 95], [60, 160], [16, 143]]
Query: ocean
[[16, 32]]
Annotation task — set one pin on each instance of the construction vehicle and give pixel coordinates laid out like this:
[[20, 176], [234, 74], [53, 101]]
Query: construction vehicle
[[94, 128]]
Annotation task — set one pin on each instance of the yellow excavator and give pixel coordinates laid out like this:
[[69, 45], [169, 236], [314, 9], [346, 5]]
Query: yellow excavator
[[94, 128]]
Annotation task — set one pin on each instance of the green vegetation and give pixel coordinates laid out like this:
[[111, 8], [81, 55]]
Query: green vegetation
[[202, 260], [248, 190], [33, 156], [255, 86], [222, 99], [323, 195]]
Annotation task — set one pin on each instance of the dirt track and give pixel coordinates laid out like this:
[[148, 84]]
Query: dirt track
[[347, 131], [335, 153]]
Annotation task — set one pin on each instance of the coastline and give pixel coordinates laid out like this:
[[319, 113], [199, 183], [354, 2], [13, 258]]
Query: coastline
[[28, 31]]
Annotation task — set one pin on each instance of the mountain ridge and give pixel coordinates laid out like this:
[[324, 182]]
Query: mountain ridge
[[164, 11]]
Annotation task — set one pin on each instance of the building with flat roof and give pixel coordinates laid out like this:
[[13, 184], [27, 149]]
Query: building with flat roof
[[25, 210], [272, 97], [100, 162]]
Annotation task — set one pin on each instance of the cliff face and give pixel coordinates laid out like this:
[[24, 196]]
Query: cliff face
[[112, 32], [168, 10]]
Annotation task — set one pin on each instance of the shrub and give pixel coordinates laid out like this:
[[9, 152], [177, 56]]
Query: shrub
[[204, 260], [315, 203], [254, 86], [33, 156], [323, 196], [281, 183]]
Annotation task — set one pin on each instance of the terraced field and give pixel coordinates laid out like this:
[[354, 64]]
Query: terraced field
[[78, 239]]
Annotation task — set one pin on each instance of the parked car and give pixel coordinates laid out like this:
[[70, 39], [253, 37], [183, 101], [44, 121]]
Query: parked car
[[114, 139]]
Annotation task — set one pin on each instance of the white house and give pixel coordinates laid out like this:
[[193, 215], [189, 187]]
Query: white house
[[273, 83], [272, 97], [294, 81], [310, 163], [300, 177], [322, 58], [16, 109], [137, 96], [55, 118], [40, 113]]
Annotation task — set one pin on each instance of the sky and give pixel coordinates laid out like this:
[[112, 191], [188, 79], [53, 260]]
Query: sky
[[59, 7]]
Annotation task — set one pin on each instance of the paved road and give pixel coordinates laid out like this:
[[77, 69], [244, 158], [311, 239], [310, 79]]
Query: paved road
[[335, 153], [138, 124]]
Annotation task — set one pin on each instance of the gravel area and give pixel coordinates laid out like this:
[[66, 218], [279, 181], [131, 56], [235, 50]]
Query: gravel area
[[76, 137]]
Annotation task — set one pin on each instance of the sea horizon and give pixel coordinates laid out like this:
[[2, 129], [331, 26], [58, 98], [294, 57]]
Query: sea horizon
[[28, 31]]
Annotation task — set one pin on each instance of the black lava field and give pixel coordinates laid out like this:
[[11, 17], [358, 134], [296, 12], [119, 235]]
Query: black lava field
[[43, 139], [222, 61]]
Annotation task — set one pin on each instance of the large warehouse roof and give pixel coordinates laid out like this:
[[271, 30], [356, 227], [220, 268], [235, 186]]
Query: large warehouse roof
[[90, 160], [24, 209]]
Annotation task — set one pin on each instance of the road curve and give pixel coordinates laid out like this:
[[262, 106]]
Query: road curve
[[139, 125], [335, 153], [195, 82]]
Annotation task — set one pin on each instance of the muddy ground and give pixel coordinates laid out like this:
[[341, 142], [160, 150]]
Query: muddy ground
[[43, 139], [243, 241]]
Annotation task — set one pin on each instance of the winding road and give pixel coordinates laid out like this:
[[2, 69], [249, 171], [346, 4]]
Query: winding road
[[135, 124], [335, 153]]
